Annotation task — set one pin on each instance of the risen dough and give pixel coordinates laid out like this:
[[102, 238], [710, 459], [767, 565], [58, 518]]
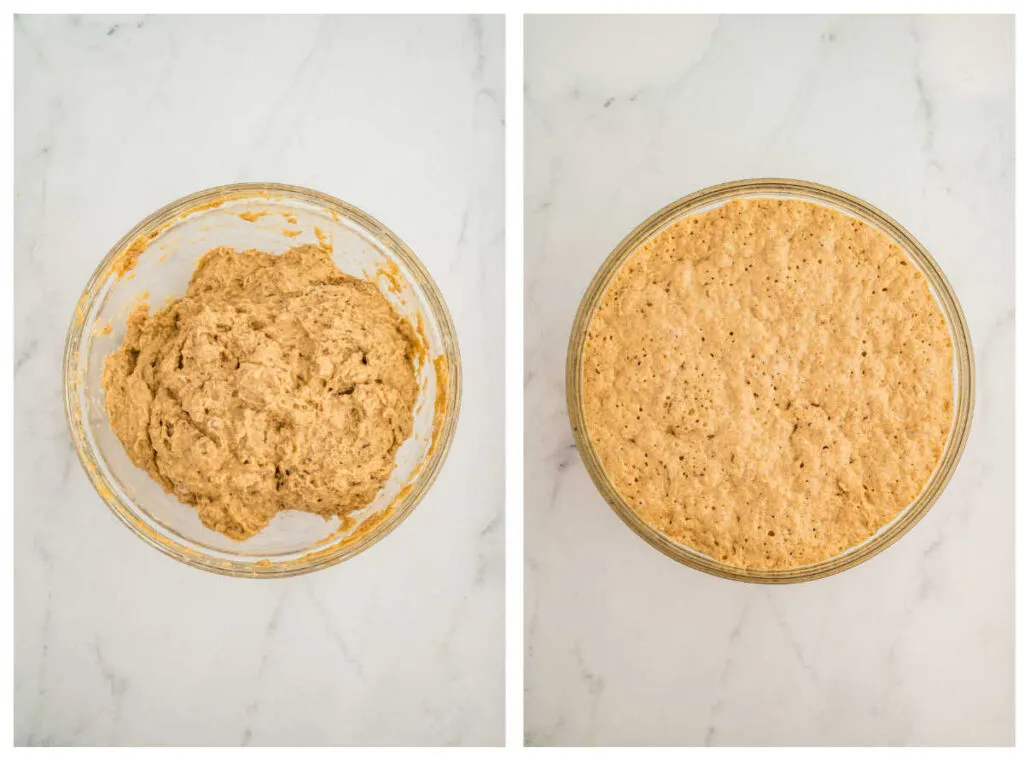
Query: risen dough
[[276, 382], [769, 382]]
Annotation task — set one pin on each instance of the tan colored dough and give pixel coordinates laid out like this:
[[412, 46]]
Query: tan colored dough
[[276, 382], [769, 382]]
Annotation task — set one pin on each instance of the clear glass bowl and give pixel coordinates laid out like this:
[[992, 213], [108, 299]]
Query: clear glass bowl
[[154, 263], [963, 373]]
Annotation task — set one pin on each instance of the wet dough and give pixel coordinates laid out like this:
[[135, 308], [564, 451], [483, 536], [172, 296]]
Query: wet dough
[[276, 382], [769, 382]]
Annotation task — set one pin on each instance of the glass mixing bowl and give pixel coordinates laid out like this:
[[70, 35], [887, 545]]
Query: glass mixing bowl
[[963, 373], [153, 263]]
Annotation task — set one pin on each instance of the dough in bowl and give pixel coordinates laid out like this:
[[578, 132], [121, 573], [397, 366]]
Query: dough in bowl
[[276, 382], [769, 382]]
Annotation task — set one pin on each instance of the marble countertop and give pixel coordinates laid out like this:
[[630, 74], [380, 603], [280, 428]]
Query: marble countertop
[[626, 114], [115, 643]]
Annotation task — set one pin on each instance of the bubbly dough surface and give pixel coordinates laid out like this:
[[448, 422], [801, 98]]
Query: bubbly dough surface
[[769, 382], [276, 382]]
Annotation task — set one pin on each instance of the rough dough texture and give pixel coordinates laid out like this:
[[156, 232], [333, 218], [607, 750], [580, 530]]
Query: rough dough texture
[[277, 382], [769, 382]]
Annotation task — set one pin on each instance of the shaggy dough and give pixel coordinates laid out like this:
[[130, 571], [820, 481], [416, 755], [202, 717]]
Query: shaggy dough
[[769, 382], [277, 382]]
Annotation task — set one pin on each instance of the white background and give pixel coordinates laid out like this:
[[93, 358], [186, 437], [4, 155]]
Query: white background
[[626, 114], [117, 644]]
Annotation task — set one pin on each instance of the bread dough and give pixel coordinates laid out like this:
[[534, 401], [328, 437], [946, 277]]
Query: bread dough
[[769, 383], [276, 382]]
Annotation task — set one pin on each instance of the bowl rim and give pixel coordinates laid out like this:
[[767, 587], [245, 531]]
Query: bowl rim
[[964, 377], [406, 500]]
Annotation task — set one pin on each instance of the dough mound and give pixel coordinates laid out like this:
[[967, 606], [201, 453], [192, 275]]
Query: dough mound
[[276, 382], [769, 382]]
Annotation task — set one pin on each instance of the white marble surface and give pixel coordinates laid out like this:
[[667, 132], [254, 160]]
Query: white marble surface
[[624, 115], [117, 644]]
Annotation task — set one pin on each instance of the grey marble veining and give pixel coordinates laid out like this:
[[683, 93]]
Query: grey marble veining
[[117, 644], [626, 114]]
